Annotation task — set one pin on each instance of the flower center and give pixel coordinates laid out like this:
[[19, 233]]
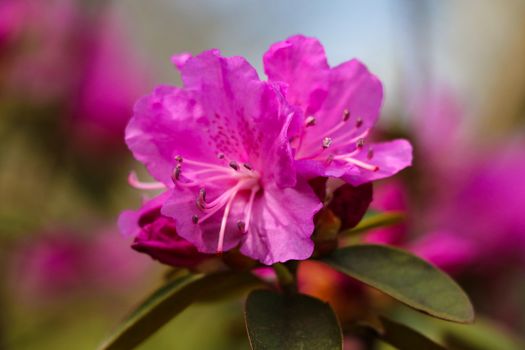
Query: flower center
[[343, 142], [228, 179]]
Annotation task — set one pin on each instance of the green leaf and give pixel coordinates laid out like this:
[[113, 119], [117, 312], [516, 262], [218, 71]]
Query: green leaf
[[371, 221], [291, 321], [483, 335], [405, 338], [171, 299], [406, 278]]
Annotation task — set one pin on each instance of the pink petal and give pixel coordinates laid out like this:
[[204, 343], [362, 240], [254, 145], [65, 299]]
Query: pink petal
[[205, 235], [282, 225], [301, 63], [128, 221], [354, 88], [391, 157], [449, 251], [179, 60]]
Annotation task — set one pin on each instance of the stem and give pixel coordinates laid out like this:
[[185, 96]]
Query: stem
[[285, 277]]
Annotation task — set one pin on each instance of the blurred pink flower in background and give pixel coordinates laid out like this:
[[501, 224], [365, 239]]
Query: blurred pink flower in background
[[58, 264], [65, 54], [482, 217], [472, 202], [113, 78], [11, 18], [44, 59]]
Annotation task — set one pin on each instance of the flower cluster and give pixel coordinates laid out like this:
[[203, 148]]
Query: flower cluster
[[233, 154]]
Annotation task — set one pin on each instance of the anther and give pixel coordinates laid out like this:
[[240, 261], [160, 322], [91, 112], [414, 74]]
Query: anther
[[195, 219], [220, 155], [233, 164], [327, 141], [241, 225], [176, 172], [310, 121], [202, 194], [360, 143], [346, 115], [200, 202], [370, 153], [248, 166], [179, 158], [329, 159], [359, 122]]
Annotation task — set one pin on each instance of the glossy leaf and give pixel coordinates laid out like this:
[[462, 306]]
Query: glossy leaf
[[291, 321], [374, 221], [483, 335], [171, 299], [406, 278], [404, 338]]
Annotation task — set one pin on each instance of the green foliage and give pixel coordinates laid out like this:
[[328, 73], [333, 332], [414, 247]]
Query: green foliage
[[483, 335], [405, 338], [375, 220], [171, 299], [290, 321], [406, 278]]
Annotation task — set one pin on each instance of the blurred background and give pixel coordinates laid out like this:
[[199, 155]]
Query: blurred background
[[70, 71]]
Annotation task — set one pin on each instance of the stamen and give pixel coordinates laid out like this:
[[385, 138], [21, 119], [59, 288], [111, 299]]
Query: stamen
[[342, 140], [331, 131], [134, 182], [241, 226], [327, 141], [362, 164], [370, 153], [359, 122], [202, 194], [360, 143], [310, 121], [224, 221], [206, 165], [179, 158], [248, 215], [346, 115], [220, 155], [200, 202], [220, 177], [176, 173]]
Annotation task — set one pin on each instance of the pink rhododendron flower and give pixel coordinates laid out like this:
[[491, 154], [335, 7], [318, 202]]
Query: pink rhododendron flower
[[220, 146], [448, 250], [61, 263], [489, 200], [112, 79], [11, 18], [340, 105], [156, 235], [45, 53]]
